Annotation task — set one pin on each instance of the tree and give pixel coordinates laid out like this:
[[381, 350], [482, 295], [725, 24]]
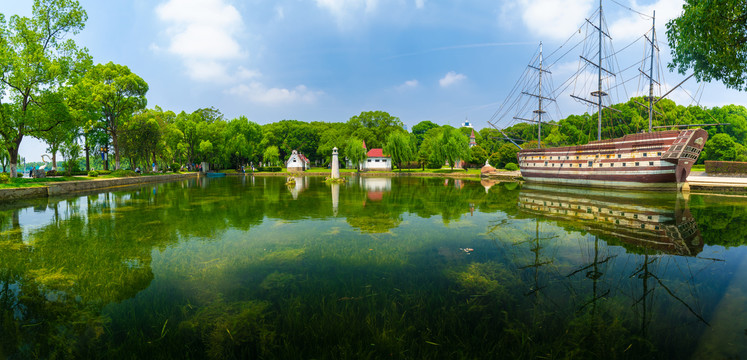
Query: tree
[[421, 128], [454, 145], [119, 93], [36, 58], [354, 151], [711, 38], [271, 155], [722, 147], [401, 147], [374, 127]]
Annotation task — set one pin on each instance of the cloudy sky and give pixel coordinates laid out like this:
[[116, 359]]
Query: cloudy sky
[[327, 60]]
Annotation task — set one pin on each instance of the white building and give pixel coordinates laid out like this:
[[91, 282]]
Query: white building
[[297, 162]]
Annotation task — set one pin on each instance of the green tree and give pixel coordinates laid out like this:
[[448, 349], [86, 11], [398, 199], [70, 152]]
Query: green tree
[[421, 128], [722, 147], [271, 155], [401, 147], [711, 38], [119, 93], [374, 127], [454, 145], [354, 151], [36, 58]]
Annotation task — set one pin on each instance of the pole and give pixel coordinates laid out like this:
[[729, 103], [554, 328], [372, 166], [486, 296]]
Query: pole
[[599, 124], [651, 77], [539, 113]]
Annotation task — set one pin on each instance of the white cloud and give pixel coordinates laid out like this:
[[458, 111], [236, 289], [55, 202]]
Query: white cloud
[[409, 84], [634, 25], [259, 93], [419, 4], [345, 11], [554, 19], [203, 34], [246, 74], [279, 13], [451, 78]]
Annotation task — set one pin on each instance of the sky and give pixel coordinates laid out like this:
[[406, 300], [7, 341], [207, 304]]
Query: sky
[[328, 60]]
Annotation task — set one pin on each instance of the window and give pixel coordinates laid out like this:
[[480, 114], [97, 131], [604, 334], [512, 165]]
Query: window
[[590, 164], [377, 160], [545, 163], [650, 217], [645, 154], [637, 163], [651, 163], [612, 164], [369, 160], [600, 165], [619, 156], [659, 153], [624, 164], [576, 157]]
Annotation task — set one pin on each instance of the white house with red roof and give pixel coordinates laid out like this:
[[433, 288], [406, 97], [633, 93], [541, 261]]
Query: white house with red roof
[[375, 160], [297, 162]]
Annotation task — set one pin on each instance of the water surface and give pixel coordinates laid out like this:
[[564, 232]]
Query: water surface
[[373, 268]]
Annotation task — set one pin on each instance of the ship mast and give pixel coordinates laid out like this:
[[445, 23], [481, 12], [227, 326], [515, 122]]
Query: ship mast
[[599, 90], [651, 77], [539, 97], [599, 93]]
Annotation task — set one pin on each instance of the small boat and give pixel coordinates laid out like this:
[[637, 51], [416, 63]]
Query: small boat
[[215, 174]]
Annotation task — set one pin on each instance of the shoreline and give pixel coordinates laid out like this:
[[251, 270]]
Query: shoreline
[[699, 182]]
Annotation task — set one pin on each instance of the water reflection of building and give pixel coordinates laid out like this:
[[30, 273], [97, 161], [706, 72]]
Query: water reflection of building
[[658, 221], [301, 184], [375, 187]]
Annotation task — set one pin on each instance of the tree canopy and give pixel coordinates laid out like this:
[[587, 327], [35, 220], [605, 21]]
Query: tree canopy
[[710, 37]]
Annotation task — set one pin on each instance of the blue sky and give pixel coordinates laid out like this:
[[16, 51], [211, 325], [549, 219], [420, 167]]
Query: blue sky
[[327, 60]]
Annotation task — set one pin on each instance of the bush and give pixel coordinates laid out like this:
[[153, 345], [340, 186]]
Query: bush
[[175, 167], [104, 172], [4, 178], [725, 167], [93, 173], [269, 168], [511, 167], [52, 173], [124, 173]]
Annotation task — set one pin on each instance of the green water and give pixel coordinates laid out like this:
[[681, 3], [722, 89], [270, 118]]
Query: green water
[[403, 268]]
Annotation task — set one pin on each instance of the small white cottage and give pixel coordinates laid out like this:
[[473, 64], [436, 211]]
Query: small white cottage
[[297, 162], [376, 160]]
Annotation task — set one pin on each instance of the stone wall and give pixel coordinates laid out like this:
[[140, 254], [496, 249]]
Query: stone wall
[[69, 187]]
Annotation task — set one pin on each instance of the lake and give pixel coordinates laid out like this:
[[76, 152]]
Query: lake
[[403, 267]]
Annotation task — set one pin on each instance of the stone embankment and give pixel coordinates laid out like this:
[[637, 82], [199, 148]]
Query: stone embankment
[[70, 187]]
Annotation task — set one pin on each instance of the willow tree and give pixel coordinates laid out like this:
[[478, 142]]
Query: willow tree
[[401, 147], [119, 93], [36, 58]]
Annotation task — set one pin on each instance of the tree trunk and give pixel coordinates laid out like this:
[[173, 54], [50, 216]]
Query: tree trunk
[[54, 159], [13, 150], [88, 162], [115, 144]]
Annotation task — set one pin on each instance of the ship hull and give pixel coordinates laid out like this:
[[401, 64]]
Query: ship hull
[[645, 161]]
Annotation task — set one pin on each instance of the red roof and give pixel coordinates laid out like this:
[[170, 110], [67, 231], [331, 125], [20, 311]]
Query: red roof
[[376, 153], [364, 144]]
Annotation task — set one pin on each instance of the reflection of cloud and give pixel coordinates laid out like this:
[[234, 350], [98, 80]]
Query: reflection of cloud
[[450, 79]]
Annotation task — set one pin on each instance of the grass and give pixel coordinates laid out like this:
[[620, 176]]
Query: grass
[[29, 182], [698, 168]]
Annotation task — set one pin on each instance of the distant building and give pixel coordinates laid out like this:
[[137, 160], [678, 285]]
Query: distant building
[[466, 124], [298, 162]]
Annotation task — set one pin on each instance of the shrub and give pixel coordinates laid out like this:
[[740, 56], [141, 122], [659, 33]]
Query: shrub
[[104, 172], [124, 173], [725, 167], [269, 168], [52, 173], [511, 167], [93, 173], [4, 178], [175, 167]]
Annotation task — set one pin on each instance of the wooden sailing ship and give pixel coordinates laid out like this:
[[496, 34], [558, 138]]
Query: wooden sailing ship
[[647, 160]]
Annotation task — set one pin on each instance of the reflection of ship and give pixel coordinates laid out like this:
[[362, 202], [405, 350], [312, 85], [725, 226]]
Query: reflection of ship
[[658, 221]]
